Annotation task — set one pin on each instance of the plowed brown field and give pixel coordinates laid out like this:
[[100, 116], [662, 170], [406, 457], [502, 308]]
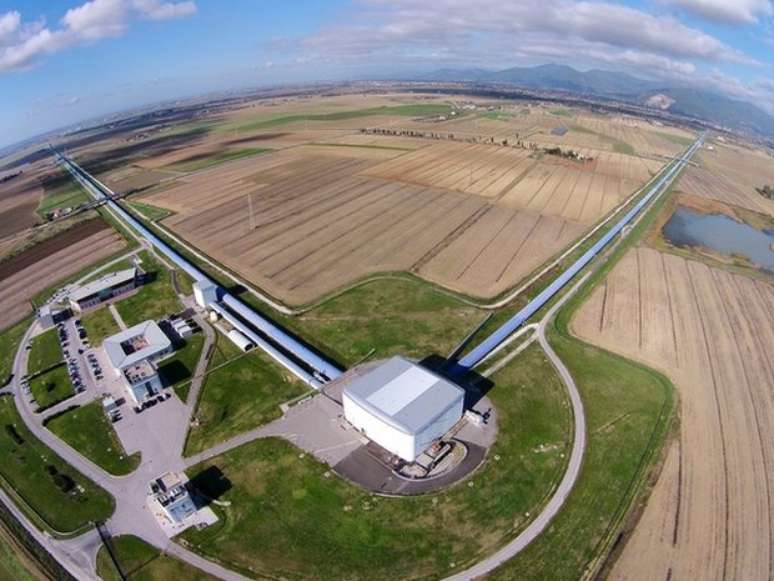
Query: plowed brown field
[[35, 271], [731, 175], [514, 178], [710, 514], [320, 223]]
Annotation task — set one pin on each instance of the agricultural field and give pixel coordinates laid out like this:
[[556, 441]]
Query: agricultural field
[[731, 174], [19, 199], [710, 513], [28, 273], [340, 205]]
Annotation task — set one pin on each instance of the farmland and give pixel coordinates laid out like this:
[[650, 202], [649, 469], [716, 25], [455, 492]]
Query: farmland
[[36, 269], [709, 515], [332, 205]]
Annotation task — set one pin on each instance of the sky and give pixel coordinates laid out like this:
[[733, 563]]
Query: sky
[[65, 61]]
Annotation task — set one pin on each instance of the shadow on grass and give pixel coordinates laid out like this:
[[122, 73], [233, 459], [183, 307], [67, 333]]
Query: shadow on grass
[[208, 486]]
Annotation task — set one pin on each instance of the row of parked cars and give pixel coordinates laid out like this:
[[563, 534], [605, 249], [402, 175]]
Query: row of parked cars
[[72, 363]]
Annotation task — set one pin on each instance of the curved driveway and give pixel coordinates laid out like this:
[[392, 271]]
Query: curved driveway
[[550, 510]]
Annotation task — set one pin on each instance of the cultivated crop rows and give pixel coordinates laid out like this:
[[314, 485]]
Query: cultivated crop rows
[[710, 515], [17, 289]]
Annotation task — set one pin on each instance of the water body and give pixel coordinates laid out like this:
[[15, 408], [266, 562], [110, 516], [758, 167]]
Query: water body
[[721, 234]]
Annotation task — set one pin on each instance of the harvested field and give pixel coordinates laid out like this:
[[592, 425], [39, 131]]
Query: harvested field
[[731, 175], [581, 192], [34, 270], [321, 222], [710, 514], [19, 198]]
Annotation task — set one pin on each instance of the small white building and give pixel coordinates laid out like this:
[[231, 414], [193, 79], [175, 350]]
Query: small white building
[[133, 354], [205, 293], [172, 495], [46, 317], [403, 407], [103, 289]]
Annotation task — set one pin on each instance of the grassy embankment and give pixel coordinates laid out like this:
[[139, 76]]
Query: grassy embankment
[[88, 430], [52, 493], [287, 515], [140, 561], [148, 211]]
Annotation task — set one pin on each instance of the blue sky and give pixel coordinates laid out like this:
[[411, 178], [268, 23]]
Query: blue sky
[[65, 61]]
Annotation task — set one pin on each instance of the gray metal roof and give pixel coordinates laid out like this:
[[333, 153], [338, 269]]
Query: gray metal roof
[[102, 283], [403, 394], [155, 338]]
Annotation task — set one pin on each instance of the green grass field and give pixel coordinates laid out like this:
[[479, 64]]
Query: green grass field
[[9, 343], [46, 352], [154, 300], [396, 315], [215, 159], [287, 519], [14, 565], [51, 387], [416, 110], [176, 371], [88, 430], [140, 561], [99, 325], [239, 396], [59, 496], [149, 211], [72, 198]]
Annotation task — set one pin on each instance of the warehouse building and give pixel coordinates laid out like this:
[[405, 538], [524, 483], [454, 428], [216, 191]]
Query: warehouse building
[[402, 407], [103, 289], [133, 354]]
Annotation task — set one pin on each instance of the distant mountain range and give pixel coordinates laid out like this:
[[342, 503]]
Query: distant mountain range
[[699, 103]]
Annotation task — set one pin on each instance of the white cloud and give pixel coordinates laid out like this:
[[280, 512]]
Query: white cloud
[[727, 11], [9, 24], [156, 10], [21, 45]]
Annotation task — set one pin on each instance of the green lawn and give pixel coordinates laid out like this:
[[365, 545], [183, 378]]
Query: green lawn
[[88, 430], [60, 496], [154, 300], [415, 110], [14, 565], [46, 352], [9, 344], [239, 396], [99, 325], [176, 371], [397, 315], [51, 387], [140, 561], [286, 519], [150, 212], [224, 351], [72, 198], [202, 162]]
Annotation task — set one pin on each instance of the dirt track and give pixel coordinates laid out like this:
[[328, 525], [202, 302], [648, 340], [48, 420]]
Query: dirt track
[[710, 515]]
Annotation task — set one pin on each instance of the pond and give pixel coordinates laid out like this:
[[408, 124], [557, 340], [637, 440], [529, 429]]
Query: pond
[[721, 234]]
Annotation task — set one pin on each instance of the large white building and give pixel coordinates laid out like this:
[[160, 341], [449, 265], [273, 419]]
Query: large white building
[[403, 407], [133, 353], [103, 289]]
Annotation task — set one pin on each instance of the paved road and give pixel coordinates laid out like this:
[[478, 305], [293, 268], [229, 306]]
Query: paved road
[[541, 522]]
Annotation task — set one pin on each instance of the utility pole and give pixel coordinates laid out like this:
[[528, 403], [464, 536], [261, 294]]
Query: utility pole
[[250, 209]]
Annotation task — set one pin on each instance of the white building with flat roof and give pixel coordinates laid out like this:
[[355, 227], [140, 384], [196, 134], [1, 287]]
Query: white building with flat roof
[[133, 354], [403, 407]]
